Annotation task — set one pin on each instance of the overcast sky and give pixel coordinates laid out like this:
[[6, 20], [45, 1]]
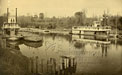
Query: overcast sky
[[63, 7]]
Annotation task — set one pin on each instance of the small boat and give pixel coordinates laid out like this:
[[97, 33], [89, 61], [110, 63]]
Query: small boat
[[33, 44], [14, 42], [33, 38], [14, 38]]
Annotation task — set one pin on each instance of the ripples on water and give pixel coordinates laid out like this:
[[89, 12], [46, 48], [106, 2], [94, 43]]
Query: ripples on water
[[61, 55]]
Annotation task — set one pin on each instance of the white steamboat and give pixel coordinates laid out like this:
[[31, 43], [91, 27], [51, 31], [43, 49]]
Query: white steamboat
[[11, 27], [95, 29]]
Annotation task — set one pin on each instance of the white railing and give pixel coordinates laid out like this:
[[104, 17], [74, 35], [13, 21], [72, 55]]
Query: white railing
[[11, 26]]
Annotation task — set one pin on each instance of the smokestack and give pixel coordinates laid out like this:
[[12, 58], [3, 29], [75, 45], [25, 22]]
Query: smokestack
[[16, 15], [7, 14]]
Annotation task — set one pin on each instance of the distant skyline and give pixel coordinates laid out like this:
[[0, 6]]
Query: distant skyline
[[62, 8]]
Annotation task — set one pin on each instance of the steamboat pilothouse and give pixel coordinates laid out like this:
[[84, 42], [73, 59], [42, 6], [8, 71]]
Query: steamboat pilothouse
[[11, 27]]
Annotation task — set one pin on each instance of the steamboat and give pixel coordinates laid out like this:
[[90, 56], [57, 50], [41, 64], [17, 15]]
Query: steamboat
[[97, 28], [11, 27]]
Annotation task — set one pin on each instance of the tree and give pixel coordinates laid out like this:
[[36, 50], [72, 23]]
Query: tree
[[120, 20], [3, 19], [80, 18], [41, 16], [35, 16], [24, 20], [120, 23]]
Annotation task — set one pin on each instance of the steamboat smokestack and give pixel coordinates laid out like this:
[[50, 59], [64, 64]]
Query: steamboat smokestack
[[16, 15], [7, 14]]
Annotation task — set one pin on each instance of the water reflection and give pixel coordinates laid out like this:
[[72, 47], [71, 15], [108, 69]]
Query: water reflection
[[90, 39], [3, 43], [104, 49], [81, 41], [66, 66], [55, 36], [13, 45], [79, 45], [12, 62], [62, 55]]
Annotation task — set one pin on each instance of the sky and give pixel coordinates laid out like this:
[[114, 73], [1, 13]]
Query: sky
[[62, 8]]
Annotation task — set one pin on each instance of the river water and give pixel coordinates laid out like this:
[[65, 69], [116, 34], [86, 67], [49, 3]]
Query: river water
[[59, 54]]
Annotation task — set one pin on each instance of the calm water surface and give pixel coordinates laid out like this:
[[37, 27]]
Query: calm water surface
[[61, 55]]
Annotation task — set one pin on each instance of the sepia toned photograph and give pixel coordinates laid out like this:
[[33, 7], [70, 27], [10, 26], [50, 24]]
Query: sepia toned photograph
[[60, 37]]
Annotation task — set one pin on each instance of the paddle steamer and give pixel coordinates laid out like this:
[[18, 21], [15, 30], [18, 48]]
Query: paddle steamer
[[11, 27]]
